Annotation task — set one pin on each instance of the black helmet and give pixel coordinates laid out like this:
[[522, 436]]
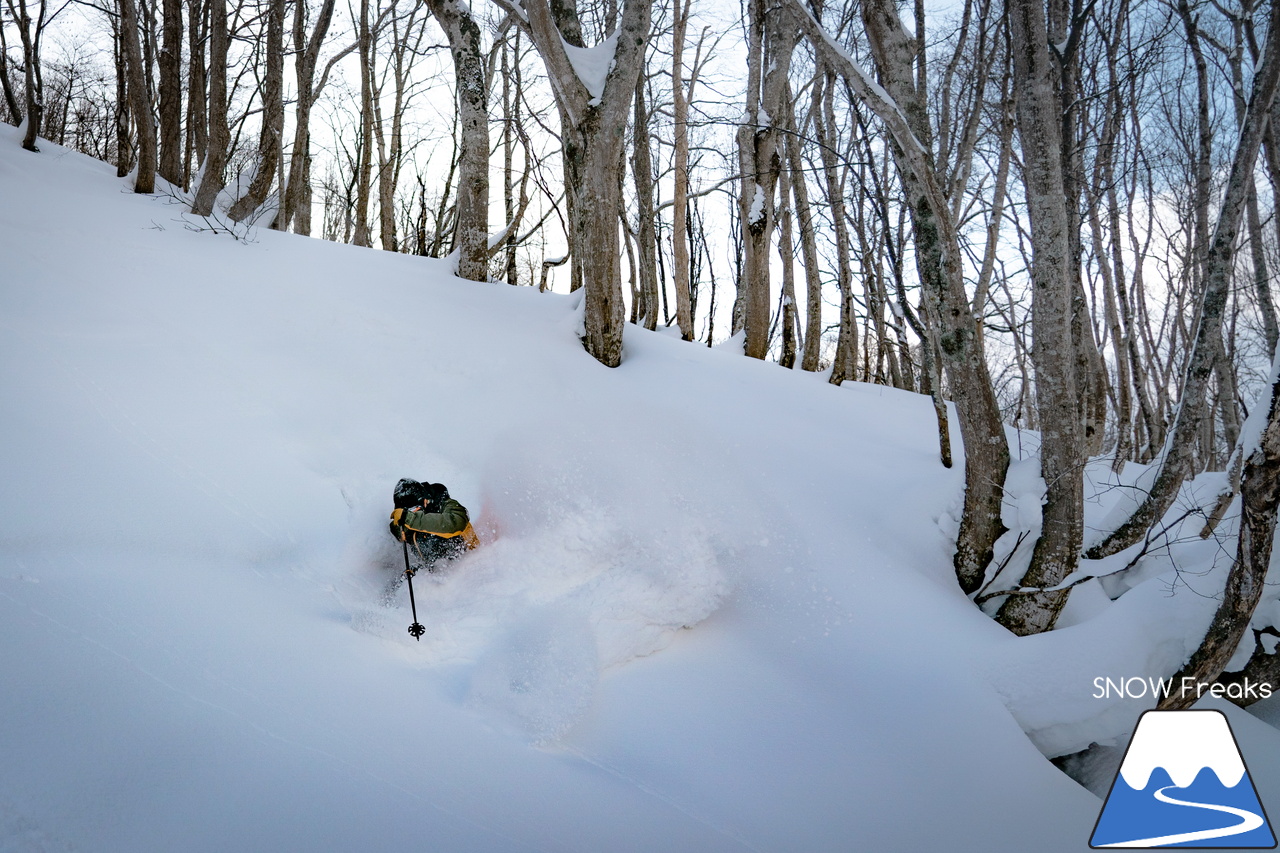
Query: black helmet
[[411, 493], [408, 493], [434, 494]]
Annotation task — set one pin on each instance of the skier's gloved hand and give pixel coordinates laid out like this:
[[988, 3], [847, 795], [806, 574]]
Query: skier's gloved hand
[[397, 519]]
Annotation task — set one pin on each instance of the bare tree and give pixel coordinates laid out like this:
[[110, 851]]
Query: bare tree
[[270, 140], [471, 230], [771, 42], [215, 160], [594, 109], [1175, 463], [139, 98], [171, 142], [680, 189], [900, 106], [295, 209], [1246, 581], [31, 33], [1039, 111]]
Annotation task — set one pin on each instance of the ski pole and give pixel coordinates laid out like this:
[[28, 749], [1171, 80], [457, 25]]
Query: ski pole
[[415, 630]]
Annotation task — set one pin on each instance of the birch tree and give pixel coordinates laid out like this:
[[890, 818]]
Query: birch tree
[[594, 91], [170, 164], [772, 40], [215, 160], [1039, 112], [471, 228], [139, 98]]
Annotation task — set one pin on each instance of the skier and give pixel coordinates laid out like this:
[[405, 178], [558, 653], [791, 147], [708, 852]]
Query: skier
[[435, 526]]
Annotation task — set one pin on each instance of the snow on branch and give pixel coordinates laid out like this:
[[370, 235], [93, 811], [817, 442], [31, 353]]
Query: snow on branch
[[593, 64]]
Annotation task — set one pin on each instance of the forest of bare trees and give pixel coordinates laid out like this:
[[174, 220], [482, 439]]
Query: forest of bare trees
[[1058, 216]]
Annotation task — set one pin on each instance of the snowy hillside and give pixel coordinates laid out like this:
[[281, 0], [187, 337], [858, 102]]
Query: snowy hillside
[[716, 611]]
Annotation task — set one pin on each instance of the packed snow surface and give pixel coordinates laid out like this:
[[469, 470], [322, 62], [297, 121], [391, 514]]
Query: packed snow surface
[[715, 608]]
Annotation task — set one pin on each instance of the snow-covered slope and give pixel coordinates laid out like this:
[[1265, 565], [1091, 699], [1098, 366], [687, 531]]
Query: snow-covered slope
[[716, 611]]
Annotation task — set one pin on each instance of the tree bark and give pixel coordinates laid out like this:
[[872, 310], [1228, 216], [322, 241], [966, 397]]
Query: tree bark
[[774, 38], [471, 229], [124, 144], [215, 162], [295, 208], [1039, 113], [680, 166], [646, 305], [139, 99], [6, 85], [593, 127], [197, 135], [171, 143], [32, 70], [808, 242], [364, 166], [844, 363]]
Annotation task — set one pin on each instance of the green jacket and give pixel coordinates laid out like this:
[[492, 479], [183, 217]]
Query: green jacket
[[452, 520]]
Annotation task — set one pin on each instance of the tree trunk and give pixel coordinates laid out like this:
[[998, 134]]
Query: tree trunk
[[139, 99], [6, 85], [296, 205], [1039, 112], [1261, 276], [593, 124], [34, 74], [124, 145], [774, 38], [786, 254], [364, 168], [808, 241], [938, 260], [471, 229], [646, 305], [215, 161], [171, 95], [197, 100], [844, 364], [680, 166], [271, 140], [901, 107]]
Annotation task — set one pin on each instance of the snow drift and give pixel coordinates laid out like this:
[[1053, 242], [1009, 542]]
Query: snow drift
[[716, 609]]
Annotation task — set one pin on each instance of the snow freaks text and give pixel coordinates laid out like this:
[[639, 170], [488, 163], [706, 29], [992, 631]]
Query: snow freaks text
[[1144, 687]]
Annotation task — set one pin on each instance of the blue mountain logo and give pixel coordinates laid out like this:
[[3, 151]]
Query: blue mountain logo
[[1183, 783]]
